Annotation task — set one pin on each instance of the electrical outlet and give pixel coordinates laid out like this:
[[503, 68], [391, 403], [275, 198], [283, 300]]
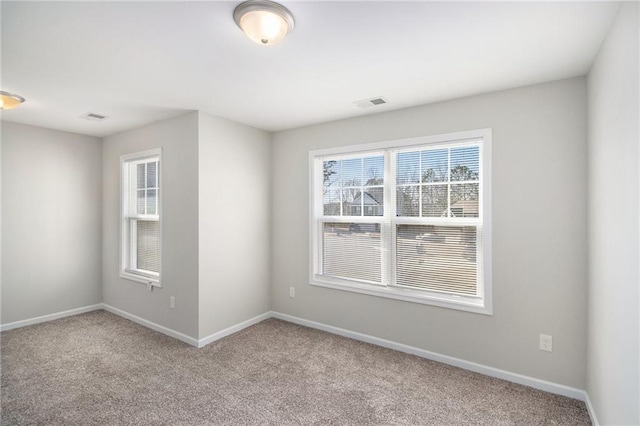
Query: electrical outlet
[[292, 292], [172, 302], [546, 342]]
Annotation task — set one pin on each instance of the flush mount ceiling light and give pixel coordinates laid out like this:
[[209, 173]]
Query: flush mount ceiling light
[[9, 100], [264, 22]]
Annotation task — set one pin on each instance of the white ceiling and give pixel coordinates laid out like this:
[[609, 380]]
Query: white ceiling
[[139, 62]]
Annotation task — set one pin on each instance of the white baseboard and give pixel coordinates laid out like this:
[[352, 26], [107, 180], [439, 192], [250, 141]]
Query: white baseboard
[[543, 385], [591, 410], [152, 325], [50, 317], [445, 359], [198, 343], [233, 329]]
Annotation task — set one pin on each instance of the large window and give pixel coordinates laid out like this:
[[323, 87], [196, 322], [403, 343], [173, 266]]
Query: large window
[[408, 220], [140, 217]]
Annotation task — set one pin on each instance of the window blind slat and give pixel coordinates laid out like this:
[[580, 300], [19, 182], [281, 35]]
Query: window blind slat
[[437, 258], [148, 245], [352, 251], [424, 205], [141, 217], [152, 174]]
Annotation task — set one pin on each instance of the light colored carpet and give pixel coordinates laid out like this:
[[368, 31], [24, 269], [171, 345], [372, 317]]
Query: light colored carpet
[[100, 369]]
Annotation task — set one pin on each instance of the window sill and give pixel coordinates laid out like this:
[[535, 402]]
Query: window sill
[[150, 281], [477, 306]]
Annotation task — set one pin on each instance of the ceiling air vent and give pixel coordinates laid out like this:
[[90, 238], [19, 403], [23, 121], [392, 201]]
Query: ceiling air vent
[[93, 116], [371, 102]]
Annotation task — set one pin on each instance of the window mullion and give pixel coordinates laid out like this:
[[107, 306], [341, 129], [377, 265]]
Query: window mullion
[[341, 189], [146, 186], [390, 214], [140, 244], [131, 210], [318, 201], [420, 184], [133, 239], [133, 191], [428, 260], [480, 262], [449, 182], [157, 187], [362, 186]]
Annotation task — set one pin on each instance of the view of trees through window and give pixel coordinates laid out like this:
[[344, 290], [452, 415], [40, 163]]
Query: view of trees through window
[[430, 184], [441, 182], [403, 221], [140, 241], [354, 186]]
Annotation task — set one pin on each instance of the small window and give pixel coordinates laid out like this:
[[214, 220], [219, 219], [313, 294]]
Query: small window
[[408, 220], [141, 217]]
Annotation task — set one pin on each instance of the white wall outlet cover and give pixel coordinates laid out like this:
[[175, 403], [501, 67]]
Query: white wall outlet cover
[[546, 342]]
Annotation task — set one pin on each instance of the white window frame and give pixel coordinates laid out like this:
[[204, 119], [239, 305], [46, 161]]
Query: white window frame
[[127, 236], [478, 304]]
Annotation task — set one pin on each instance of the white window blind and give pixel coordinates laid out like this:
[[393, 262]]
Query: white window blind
[[141, 236], [353, 190], [404, 221], [148, 245]]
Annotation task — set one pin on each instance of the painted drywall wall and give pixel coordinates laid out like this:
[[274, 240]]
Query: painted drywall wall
[[1, 124], [539, 232], [234, 223], [178, 139], [613, 355], [51, 221]]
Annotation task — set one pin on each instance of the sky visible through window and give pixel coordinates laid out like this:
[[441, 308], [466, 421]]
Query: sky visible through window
[[429, 182], [431, 165], [412, 167]]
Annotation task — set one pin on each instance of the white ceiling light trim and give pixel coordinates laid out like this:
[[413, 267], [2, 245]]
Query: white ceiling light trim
[[263, 21]]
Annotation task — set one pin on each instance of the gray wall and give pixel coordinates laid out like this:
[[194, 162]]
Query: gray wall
[[51, 221], [1, 125], [613, 358], [234, 221], [178, 139], [539, 232]]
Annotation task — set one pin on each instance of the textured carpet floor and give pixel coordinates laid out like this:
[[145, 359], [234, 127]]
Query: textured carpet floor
[[100, 369]]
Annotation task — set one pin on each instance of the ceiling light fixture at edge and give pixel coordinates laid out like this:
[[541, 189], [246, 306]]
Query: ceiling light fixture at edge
[[263, 21], [9, 100]]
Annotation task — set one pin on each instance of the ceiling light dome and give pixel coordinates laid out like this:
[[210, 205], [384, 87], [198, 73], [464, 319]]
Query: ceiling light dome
[[9, 100], [263, 21]]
